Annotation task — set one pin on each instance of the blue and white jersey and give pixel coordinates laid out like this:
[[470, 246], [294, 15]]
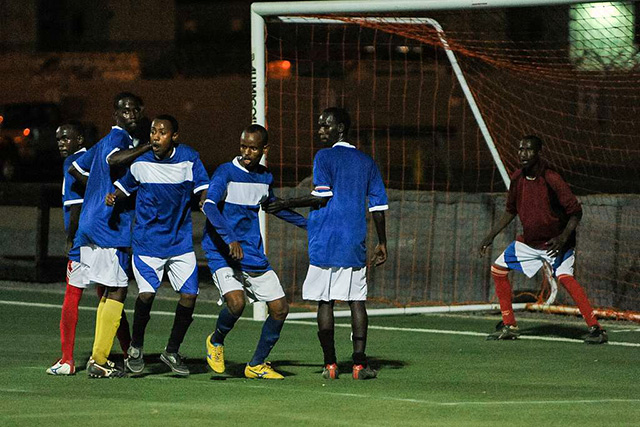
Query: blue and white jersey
[[237, 194], [102, 225], [337, 231], [163, 210], [72, 194]]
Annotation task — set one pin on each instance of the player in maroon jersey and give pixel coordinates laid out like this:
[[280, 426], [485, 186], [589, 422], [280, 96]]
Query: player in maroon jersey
[[549, 213]]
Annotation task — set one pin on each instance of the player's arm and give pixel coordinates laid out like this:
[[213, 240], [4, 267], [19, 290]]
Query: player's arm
[[123, 188], [123, 158], [287, 215], [79, 169], [380, 251], [74, 220], [215, 194], [555, 245], [505, 220], [572, 208], [79, 176], [112, 198], [277, 205]]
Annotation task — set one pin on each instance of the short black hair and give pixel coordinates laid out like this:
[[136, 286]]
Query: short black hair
[[122, 95], [341, 115], [76, 124], [168, 117], [256, 128], [535, 140]]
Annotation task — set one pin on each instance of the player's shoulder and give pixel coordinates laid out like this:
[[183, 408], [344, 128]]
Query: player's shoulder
[[516, 175], [187, 151]]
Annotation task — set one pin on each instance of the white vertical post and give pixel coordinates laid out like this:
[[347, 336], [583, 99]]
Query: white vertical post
[[258, 115]]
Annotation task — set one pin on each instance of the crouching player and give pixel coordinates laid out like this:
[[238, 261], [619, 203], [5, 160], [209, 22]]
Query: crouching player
[[549, 213], [235, 252], [165, 179]]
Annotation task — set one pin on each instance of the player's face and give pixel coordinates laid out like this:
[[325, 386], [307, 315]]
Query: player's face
[[329, 130], [68, 140], [528, 153], [251, 149], [162, 137], [128, 114]]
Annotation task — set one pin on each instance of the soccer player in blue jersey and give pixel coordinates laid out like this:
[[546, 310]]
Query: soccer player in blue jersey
[[70, 138], [164, 178], [344, 180], [104, 233], [235, 252]]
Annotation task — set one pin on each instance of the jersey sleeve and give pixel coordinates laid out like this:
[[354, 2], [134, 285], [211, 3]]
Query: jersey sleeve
[[83, 163], [120, 141], [200, 176], [565, 196], [128, 183], [73, 192], [215, 194], [377, 194], [322, 182], [511, 206]]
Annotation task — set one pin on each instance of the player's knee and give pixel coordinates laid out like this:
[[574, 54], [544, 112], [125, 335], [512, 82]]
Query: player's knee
[[279, 309], [235, 303], [188, 300], [147, 297], [118, 294]]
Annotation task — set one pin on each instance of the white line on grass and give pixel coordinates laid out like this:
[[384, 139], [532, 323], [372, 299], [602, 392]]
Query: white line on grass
[[341, 325]]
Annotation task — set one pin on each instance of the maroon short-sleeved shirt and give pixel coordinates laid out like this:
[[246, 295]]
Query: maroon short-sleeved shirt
[[543, 205]]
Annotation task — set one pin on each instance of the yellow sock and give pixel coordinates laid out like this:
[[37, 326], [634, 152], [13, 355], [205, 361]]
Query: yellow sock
[[98, 313], [106, 326]]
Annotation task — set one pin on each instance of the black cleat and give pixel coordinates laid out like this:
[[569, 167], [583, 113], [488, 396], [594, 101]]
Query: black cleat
[[108, 370], [508, 332], [174, 361], [596, 335]]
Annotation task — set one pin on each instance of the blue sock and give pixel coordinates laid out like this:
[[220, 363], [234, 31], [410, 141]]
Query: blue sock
[[226, 321], [269, 337]]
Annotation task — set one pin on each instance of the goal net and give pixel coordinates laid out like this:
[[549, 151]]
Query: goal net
[[440, 98]]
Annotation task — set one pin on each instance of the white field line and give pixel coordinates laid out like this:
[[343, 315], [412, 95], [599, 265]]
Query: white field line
[[371, 327]]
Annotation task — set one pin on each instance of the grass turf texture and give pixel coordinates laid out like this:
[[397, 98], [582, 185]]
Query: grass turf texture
[[426, 378]]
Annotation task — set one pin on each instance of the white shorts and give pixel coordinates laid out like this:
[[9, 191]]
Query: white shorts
[[335, 283], [182, 271], [107, 266], [257, 287], [77, 274], [521, 257]]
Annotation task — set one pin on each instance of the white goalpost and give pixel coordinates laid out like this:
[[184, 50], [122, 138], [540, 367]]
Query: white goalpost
[[298, 13]]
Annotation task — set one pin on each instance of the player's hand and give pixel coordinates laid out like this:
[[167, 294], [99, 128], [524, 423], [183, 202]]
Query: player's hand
[[110, 199], [379, 254], [482, 250], [235, 250], [555, 245], [203, 197], [274, 206]]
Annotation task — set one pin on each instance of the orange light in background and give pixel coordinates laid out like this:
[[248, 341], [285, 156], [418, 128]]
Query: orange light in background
[[26, 132], [1, 119], [280, 69]]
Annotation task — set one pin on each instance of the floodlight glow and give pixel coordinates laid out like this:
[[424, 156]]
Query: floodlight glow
[[601, 36]]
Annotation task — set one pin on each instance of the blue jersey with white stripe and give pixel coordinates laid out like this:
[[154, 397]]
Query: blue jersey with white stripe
[[102, 225], [163, 226], [237, 193], [337, 231], [72, 194]]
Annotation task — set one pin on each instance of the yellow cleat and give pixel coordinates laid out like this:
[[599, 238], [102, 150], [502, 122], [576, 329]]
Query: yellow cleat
[[215, 356], [264, 371]]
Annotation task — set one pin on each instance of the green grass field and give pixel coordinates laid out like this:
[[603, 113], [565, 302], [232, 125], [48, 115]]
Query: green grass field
[[434, 370]]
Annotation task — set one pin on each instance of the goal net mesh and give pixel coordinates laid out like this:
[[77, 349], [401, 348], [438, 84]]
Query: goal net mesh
[[570, 74]]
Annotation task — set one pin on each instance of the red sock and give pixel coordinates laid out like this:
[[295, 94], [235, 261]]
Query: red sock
[[68, 321], [503, 291], [123, 334], [580, 297]]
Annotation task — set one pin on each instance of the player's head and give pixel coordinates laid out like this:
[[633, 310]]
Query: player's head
[[127, 110], [529, 149], [70, 137], [254, 142], [334, 125], [163, 135]]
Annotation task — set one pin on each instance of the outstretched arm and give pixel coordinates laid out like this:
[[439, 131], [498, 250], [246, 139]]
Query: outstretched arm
[[126, 157], [506, 219], [380, 251], [278, 205], [292, 217]]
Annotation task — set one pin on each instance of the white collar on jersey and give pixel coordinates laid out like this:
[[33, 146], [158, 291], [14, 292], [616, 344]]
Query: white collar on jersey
[[83, 149], [170, 156], [342, 144], [236, 163]]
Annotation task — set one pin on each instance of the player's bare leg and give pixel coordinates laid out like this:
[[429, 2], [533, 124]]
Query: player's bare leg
[[326, 336], [359, 327]]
